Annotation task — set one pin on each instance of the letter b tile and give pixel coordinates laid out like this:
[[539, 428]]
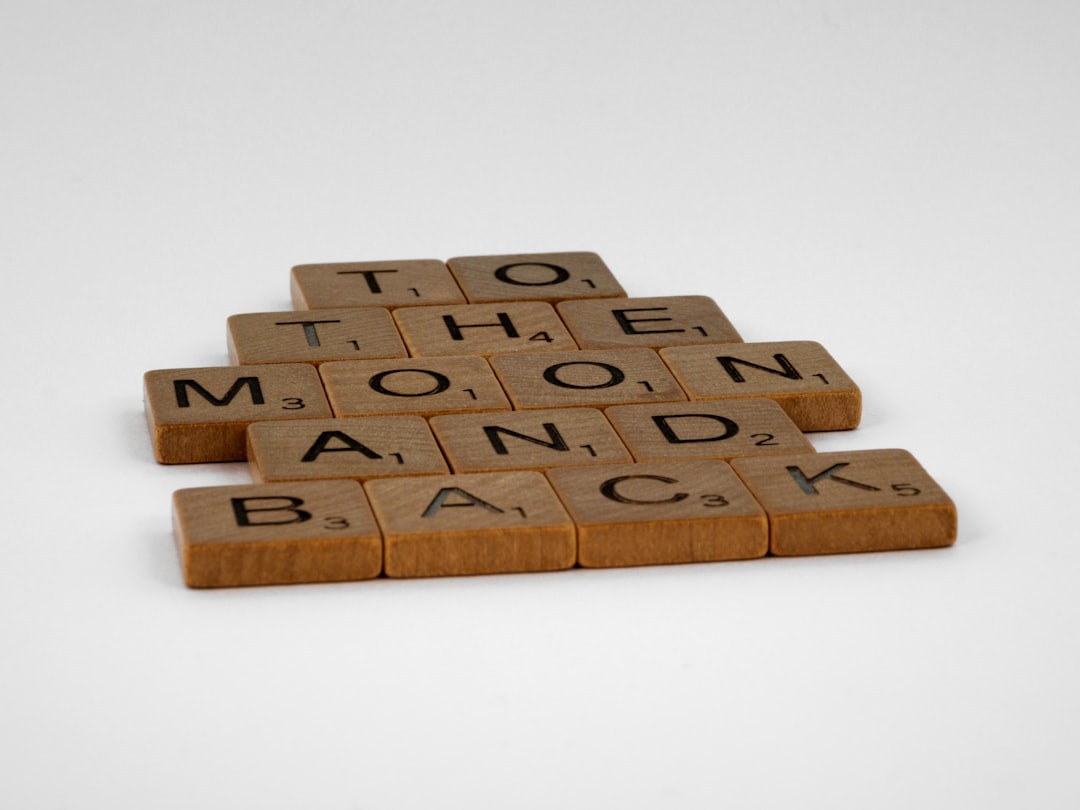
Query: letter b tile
[[266, 534]]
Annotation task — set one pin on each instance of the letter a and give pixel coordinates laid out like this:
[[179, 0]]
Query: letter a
[[439, 501]]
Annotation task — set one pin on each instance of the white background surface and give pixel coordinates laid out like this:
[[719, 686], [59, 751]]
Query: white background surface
[[899, 181]]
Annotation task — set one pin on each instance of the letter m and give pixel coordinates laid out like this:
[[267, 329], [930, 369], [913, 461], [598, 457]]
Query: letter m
[[183, 401]]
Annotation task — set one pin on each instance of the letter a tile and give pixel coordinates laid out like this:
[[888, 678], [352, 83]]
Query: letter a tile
[[267, 534], [360, 448], [483, 523], [842, 502]]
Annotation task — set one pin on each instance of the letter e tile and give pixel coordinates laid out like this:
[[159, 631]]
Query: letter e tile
[[654, 322]]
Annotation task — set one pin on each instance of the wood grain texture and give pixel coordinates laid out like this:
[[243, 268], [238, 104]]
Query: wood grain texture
[[483, 523], [590, 378], [306, 337], [483, 329], [528, 439], [267, 534], [800, 376], [424, 386], [201, 414], [661, 512], [534, 277], [407, 283], [673, 320], [843, 502], [359, 448], [722, 429]]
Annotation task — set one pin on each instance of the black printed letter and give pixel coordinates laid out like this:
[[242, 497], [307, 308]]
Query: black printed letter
[[243, 512], [181, 389]]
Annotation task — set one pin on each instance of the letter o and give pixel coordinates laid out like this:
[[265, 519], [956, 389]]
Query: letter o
[[551, 374], [561, 274], [442, 382]]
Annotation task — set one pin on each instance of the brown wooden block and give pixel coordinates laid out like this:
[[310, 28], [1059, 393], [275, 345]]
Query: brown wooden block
[[414, 282], [483, 523], [519, 440], [360, 448], [590, 377], [534, 276], [424, 386], [862, 500], [673, 320], [200, 414], [483, 329], [661, 512], [267, 534], [800, 376], [302, 337], [721, 429]]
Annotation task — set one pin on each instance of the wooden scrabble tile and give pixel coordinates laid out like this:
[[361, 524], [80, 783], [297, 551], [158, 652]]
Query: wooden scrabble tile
[[840, 502], [672, 320], [534, 276], [424, 386], [414, 282], [200, 414], [590, 377], [306, 337], [483, 329], [483, 523], [516, 440], [720, 429], [800, 376], [661, 512], [359, 447], [267, 534]]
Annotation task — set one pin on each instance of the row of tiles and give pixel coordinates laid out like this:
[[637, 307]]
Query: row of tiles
[[474, 279], [645, 513], [367, 447], [476, 329], [200, 414]]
